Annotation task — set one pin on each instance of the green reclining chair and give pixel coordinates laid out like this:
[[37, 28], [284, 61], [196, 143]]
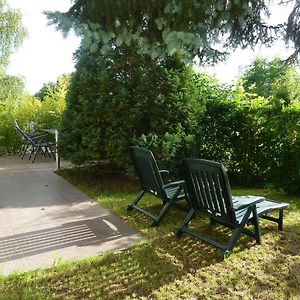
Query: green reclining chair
[[151, 182], [208, 190]]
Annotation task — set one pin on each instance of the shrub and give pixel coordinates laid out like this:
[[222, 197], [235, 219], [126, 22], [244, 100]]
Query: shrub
[[124, 99], [258, 142], [17, 104]]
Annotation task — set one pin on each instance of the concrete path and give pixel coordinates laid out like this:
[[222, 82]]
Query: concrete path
[[44, 219]]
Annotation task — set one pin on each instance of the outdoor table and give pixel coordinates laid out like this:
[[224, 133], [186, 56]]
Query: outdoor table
[[56, 134]]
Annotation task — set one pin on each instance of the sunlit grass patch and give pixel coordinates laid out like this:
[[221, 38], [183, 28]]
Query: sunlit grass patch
[[163, 266]]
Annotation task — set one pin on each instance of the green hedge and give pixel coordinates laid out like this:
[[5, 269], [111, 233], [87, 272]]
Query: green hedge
[[259, 143], [123, 98]]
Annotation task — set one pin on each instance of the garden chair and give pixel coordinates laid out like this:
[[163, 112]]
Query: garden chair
[[208, 190], [37, 142], [151, 182], [25, 143]]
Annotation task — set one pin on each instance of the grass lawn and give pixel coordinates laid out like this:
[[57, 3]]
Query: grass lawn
[[166, 267]]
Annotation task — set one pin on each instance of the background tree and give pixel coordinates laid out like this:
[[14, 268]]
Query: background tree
[[123, 98], [206, 29], [53, 102], [46, 89], [16, 103], [276, 80], [11, 88], [12, 32]]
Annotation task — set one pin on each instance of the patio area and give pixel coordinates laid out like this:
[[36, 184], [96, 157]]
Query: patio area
[[44, 219]]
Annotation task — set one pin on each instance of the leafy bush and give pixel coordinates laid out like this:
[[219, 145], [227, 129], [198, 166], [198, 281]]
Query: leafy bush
[[17, 104], [124, 99], [257, 141]]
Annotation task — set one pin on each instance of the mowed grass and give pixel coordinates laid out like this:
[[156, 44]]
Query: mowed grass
[[163, 266]]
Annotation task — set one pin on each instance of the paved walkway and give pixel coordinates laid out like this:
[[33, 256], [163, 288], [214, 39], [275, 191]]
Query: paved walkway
[[44, 219]]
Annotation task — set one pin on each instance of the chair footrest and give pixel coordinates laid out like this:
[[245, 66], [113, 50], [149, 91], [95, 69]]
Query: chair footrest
[[268, 205]]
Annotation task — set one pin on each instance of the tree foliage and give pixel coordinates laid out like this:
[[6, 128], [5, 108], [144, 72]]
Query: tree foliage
[[273, 79], [123, 98], [11, 88], [53, 102], [46, 89], [16, 103], [206, 29], [12, 32], [258, 143]]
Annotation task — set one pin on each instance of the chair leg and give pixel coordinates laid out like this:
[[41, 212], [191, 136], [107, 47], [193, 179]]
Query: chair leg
[[167, 206], [256, 226], [32, 152], [24, 151], [280, 220], [136, 200], [35, 154], [20, 151], [162, 213], [238, 230], [51, 151], [46, 152], [186, 221]]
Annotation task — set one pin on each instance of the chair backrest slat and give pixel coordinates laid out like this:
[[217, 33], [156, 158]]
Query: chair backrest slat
[[20, 132], [147, 171], [208, 188], [200, 192], [219, 191], [24, 137]]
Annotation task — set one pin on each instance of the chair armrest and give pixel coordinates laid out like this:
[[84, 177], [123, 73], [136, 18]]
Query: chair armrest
[[240, 202], [33, 133], [174, 184], [38, 136], [39, 139], [163, 171]]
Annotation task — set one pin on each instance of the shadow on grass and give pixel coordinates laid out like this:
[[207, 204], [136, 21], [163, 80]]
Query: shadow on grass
[[137, 271], [163, 259], [281, 263]]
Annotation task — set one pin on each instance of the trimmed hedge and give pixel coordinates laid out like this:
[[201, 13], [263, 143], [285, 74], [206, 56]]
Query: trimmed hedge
[[259, 143]]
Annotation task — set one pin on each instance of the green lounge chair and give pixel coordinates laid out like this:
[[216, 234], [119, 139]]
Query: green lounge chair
[[151, 182], [208, 190]]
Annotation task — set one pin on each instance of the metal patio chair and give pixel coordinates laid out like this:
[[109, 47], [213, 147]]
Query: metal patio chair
[[35, 143]]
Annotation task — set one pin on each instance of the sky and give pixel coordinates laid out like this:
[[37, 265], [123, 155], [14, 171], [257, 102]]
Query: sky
[[45, 54]]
